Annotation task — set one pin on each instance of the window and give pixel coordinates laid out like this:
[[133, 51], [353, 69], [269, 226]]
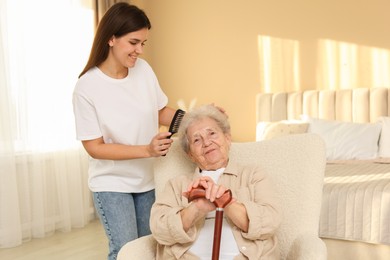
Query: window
[[47, 44]]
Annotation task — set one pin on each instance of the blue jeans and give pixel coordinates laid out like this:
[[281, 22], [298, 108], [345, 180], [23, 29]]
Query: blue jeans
[[125, 216]]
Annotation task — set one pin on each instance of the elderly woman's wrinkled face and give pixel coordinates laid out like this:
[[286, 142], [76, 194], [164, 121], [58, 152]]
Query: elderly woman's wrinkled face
[[209, 146]]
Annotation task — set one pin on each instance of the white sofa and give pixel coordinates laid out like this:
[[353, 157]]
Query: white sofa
[[354, 219], [296, 165]]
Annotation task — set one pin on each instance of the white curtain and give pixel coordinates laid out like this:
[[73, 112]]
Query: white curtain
[[44, 45]]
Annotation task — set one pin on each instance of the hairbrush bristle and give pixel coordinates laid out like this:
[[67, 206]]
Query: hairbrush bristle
[[177, 118]]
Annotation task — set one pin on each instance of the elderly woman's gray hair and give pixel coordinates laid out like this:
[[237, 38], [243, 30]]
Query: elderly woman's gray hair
[[205, 111]]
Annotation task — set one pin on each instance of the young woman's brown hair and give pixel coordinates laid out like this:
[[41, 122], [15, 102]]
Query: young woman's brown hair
[[119, 20]]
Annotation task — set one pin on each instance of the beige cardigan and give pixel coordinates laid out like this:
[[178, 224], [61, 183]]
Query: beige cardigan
[[249, 186]]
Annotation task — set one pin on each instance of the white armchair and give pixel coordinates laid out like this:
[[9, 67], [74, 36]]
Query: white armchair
[[296, 164]]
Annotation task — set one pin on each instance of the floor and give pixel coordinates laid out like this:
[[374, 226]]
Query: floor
[[88, 243]]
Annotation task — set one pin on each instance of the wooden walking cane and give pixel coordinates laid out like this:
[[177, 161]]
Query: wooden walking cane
[[220, 203]]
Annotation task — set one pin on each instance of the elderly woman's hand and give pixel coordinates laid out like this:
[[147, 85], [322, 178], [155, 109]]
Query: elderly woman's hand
[[234, 210], [213, 191], [202, 205]]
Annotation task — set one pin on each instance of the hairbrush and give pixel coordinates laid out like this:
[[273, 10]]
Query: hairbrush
[[176, 120]]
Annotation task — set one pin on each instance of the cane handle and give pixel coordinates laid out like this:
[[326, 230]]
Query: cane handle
[[220, 202]]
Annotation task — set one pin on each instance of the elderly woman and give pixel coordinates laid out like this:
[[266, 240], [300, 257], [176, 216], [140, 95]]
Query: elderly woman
[[185, 230]]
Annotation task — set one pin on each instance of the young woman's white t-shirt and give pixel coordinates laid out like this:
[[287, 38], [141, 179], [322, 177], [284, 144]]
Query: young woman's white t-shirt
[[123, 111]]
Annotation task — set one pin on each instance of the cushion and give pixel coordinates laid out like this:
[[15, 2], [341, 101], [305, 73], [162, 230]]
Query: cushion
[[347, 140], [270, 130], [384, 141]]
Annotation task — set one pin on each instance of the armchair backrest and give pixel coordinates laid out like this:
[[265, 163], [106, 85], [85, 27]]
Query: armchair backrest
[[296, 164]]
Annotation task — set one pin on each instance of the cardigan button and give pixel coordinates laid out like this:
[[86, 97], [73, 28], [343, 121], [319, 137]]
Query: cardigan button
[[243, 248]]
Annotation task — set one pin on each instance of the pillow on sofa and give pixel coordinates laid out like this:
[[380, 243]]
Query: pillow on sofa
[[269, 130], [346, 140], [384, 140]]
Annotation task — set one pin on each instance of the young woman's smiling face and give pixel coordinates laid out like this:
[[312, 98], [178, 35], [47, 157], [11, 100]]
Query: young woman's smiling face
[[127, 48], [209, 146]]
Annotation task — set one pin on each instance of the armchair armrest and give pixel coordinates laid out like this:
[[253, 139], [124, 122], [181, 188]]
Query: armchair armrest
[[308, 247], [143, 248]]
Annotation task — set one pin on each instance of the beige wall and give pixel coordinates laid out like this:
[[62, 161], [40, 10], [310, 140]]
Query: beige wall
[[209, 50]]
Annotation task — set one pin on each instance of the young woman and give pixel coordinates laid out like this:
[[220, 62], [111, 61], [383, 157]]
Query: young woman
[[118, 106]]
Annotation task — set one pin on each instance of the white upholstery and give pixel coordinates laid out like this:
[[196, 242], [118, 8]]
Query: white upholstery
[[296, 164]]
